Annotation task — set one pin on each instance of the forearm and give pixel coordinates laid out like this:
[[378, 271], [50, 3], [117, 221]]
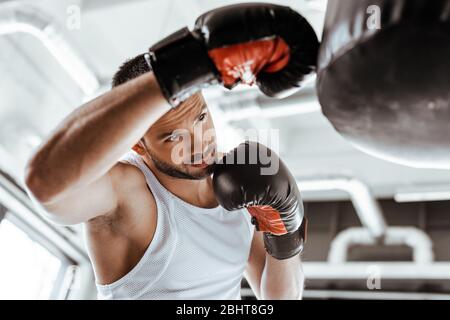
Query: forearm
[[282, 279], [93, 137]]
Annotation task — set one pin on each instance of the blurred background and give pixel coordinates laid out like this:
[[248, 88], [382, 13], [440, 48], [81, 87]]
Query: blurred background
[[377, 230]]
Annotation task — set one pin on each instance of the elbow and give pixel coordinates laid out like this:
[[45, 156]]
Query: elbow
[[36, 186], [39, 191]]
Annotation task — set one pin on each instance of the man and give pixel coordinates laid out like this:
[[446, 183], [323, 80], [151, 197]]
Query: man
[[153, 225]]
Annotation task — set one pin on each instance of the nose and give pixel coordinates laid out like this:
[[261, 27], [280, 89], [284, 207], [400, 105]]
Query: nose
[[203, 145]]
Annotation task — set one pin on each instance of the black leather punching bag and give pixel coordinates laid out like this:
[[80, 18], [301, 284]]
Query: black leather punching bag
[[384, 78]]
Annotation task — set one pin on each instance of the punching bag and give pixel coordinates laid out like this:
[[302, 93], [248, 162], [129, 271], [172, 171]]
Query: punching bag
[[384, 78]]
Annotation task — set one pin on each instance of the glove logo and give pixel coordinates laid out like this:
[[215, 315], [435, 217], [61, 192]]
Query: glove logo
[[244, 72]]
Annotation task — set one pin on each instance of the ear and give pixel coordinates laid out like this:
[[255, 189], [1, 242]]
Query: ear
[[138, 148]]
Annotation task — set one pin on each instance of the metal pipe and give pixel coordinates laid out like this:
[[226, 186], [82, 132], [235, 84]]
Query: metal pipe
[[363, 295], [383, 270], [18, 17], [416, 239], [366, 206], [373, 295], [248, 104], [423, 193], [83, 284]]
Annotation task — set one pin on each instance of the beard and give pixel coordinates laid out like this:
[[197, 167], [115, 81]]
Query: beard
[[176, 172]]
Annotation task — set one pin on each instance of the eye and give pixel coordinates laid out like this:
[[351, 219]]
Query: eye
[[203, 116], [173, 138]]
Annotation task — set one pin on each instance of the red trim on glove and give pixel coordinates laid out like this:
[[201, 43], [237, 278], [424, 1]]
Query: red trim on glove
[[242, 62], [269, 220]]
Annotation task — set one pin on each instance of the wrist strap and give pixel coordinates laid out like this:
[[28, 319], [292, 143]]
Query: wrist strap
[[181, 65], [288, 245]]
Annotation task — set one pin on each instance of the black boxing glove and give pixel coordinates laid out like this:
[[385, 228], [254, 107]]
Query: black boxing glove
[[252, 176], [271, 45]]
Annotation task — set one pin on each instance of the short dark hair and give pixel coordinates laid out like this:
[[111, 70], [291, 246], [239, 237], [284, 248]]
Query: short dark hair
[[130, 69]]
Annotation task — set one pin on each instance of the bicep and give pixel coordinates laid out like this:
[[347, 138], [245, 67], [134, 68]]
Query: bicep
[[256, 262]]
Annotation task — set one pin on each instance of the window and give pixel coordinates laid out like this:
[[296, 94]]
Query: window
[[27, 269]]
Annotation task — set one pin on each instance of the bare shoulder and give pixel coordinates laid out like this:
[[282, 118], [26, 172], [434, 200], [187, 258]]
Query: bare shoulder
[[127, 176]]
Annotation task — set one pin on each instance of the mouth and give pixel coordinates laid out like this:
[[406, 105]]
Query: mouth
[[201, 165], [205, 162]]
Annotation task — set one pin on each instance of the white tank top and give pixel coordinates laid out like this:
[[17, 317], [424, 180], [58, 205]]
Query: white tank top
[[196, 253]]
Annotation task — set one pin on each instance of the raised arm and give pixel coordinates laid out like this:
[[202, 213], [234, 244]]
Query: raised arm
[[72, 170]]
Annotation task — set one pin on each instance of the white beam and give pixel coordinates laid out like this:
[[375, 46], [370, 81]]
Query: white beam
[[385, 270], [372, 295]]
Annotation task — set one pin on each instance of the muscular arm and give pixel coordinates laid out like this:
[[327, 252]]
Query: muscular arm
[[74, 165], [273, 279]]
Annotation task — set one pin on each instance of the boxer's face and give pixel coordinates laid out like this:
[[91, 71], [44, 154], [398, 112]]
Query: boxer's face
[[182, 142]]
